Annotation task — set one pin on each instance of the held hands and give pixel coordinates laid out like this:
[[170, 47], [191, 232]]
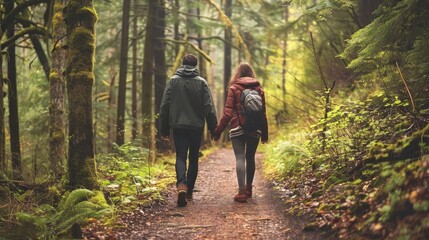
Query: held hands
[[215, 136], [165, 138]]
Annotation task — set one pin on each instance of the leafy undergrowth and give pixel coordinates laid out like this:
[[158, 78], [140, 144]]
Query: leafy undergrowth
[[128, 178], [51, 211], [133, 186], [388, 201], [130, 182], [371, 181]]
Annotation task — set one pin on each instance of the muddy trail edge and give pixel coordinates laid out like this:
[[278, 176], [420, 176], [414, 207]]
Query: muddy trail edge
[[213, 214]]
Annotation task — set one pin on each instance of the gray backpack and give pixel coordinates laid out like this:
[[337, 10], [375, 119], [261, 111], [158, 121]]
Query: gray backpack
[[252, 114]]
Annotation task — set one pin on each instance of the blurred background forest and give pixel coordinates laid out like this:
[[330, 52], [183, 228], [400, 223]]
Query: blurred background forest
[[347, 90]]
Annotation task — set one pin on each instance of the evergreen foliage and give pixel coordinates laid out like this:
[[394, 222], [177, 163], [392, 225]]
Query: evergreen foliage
[[398, 36]]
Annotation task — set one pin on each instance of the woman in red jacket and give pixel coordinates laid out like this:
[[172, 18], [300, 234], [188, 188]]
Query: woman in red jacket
[[244, 142]]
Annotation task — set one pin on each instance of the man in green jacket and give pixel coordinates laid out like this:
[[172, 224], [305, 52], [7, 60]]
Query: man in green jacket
[[186, 103]]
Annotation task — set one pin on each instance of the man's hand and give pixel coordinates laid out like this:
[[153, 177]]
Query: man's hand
[[265, 141], [165, 138]]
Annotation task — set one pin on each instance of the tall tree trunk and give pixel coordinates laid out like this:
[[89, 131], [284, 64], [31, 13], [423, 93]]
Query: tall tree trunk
[[120, 122], [80, 17], [176, 26], [227, 50], [57, 147], [160, 67], [134, 128], [13, 99], [147, 101], [111, 105], [203, 73], [286, 19], [2, 132]]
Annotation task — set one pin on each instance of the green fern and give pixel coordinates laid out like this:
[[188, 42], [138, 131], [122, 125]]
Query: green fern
[[75, 197], [48, 222]]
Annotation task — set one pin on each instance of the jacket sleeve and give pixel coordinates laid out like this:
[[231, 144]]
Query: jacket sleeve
[[209, 109], [264, 130], [164, 111], [228, 111]]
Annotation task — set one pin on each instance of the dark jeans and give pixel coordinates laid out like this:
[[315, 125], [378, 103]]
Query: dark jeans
[[186, 140], [245, 149]]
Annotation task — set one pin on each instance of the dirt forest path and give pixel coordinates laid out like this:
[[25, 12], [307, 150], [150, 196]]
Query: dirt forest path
[[214, 215]]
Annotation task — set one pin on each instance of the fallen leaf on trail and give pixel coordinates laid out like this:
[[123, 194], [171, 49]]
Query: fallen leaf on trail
[[414, 196], [375, 227]]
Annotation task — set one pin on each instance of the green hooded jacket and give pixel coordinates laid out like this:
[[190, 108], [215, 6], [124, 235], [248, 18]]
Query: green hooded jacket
[[187, 102]]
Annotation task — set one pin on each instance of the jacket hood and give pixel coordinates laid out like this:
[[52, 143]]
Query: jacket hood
[[247, 82], [187, 71]]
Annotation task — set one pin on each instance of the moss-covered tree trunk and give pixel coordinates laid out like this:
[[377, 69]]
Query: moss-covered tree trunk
[[57, 145], [123, 67], [13, 98], [80, 18], [2, 135]]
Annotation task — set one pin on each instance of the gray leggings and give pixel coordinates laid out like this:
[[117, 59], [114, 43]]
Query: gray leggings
[[244, 149]]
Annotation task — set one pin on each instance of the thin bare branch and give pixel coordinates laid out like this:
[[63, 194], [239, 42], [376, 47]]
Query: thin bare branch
[[406, 86]]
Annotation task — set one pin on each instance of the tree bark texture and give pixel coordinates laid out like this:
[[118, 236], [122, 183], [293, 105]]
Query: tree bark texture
[[134, 128], [147, 102], [13, 99], [176, 26], [227, 50], [57, 144], [80, 17], [111, 105], [160, 70], [123, 67], [2, 128], [206, 140]]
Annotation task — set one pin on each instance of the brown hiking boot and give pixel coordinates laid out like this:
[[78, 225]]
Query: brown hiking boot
[[249, 191], [182, 191], [241, 196]]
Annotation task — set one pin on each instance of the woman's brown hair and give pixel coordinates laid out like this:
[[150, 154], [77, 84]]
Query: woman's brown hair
[[243, 70]]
